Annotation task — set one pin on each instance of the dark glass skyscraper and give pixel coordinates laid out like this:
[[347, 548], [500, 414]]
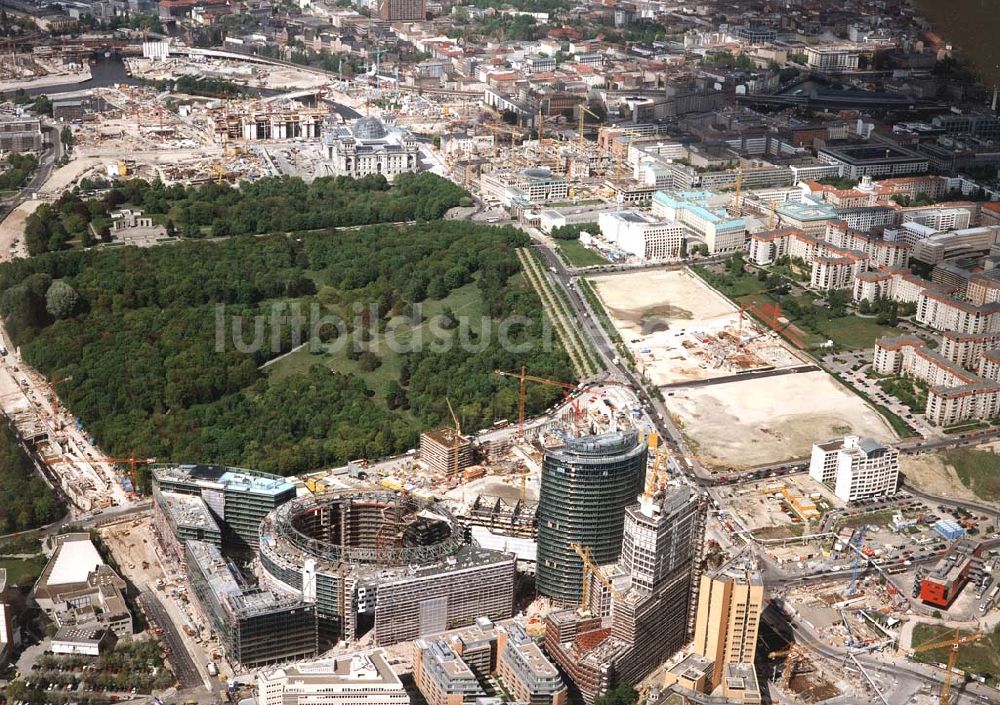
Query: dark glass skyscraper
[[586, 485]]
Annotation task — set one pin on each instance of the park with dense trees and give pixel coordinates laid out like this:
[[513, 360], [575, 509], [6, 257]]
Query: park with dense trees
[[271, 205], [26, 502], [136, 332]]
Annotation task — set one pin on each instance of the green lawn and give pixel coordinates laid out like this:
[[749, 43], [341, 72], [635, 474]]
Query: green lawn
[[463, 302], [731, 286], [979, 470], [23, 572], [879, 518], [785, 531], [579, 256], [981, 657], [853, 333]]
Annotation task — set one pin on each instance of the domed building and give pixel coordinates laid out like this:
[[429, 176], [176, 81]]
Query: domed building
[[369, 147]]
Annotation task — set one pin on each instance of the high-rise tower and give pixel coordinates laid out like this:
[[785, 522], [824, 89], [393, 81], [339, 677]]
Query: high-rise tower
[[586, 485]]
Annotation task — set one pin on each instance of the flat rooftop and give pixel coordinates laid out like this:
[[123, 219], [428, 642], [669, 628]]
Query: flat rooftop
[[360, 670], [189, 511], [222, 477], [74, 559]]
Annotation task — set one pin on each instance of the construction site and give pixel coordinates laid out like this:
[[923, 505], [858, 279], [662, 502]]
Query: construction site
[[29, 70], [680, 330], [741, 394]]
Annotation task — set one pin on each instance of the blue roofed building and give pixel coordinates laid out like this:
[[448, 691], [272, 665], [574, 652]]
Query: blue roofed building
[[699, 214], [238, 499]]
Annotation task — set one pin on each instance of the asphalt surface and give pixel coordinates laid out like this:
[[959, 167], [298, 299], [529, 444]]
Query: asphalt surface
[[745, 375], [184, 667]]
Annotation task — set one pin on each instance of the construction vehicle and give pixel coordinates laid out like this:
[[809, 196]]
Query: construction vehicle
[[954, 643], [793, 655], [524, 377], [221, 173]]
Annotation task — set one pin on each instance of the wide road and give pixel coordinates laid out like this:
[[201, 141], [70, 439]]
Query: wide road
[[184, 668], [750, 374]]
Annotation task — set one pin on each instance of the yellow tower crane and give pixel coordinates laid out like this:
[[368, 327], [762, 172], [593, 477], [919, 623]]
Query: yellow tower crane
[[589, 568], [583, 113], [954, 642], [458, 436]]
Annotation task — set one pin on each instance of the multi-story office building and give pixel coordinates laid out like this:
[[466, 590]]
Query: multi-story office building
[[641, 235], [527, 672], [855, 468], [874, 159], [729, 606], [402, 10], [256, 626], [442, 677], [720, 231], [649, 601], [179, 518], [586, 485], [337, 681], [20, 134], [237, 499], [367, 148], [387, 562], [77, 589], [832, 59]]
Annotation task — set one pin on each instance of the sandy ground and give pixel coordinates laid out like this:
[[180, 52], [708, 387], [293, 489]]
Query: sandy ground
[[932, 475], [759, 421], [12, 231], [56, 79], [679, 329], [649, 300]]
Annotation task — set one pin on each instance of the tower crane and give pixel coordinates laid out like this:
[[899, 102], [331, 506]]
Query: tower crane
[[523, 377], [735, 209], [954, 643], [589, 568], [458, 437], [133, 464], [583, 113]]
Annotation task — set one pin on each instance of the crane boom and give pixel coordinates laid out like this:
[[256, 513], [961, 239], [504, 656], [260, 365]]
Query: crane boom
[[524, 377], [954, 642]]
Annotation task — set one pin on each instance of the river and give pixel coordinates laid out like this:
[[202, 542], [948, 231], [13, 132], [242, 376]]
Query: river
[[972, 25], [104, 72]]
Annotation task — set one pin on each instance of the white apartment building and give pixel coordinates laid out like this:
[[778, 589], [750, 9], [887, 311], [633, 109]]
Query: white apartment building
[[893, 284], [833, 58], [855, 467], [360, 678], [939, 311], [940, 219], [642, 235]]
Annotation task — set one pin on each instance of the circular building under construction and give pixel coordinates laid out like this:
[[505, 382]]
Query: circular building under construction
[[386, 561]]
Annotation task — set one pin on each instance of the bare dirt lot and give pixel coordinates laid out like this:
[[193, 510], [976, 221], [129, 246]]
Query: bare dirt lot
[[930, 474], [768, 420], [679, 329]]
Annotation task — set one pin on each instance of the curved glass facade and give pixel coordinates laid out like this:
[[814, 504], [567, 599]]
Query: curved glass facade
[[586, 485]]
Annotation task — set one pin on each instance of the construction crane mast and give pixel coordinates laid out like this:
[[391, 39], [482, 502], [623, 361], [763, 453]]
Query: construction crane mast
[[133, 464], [954, 643], [457, 441], [523, 377], [583, 113], [590, 568]]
